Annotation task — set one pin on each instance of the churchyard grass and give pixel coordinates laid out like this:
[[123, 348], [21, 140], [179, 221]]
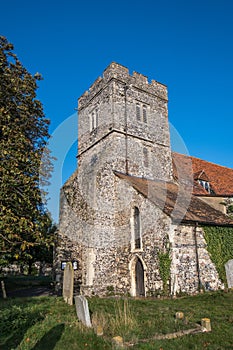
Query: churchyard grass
[[48, 323]]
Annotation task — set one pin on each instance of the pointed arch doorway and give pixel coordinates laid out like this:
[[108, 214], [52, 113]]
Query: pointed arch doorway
[[137, 270], [139, 278]]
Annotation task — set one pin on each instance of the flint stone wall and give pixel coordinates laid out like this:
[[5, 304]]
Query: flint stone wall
[[115, 107], [96, 207], [192, 266], [102, 243]]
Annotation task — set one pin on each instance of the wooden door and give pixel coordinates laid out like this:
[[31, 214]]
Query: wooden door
[[140, 288]]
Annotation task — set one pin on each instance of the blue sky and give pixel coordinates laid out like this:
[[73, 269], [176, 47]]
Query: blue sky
[[187, 45]]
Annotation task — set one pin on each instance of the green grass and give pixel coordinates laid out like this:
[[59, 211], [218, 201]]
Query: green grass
[[48, 323]]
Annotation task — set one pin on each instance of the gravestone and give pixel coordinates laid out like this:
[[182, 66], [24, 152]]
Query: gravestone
[[229, 273], [82, 310], [68, 283]]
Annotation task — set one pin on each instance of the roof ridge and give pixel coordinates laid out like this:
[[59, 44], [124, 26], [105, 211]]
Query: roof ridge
[[197, 211], [203, 160]]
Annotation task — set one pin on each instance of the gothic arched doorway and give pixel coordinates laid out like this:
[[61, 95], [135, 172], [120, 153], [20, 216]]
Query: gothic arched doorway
[[139, 278]]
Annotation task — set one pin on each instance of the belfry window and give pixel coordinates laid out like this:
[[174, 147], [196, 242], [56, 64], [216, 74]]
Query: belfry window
[[144, 114], [93, 120], [138, 112], [141, 112], [137, 228]]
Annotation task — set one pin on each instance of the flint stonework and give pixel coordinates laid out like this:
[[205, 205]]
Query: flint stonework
[[123, 129]]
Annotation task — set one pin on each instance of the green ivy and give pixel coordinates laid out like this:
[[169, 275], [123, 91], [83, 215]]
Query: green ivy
[[220, 247], [164, 269]]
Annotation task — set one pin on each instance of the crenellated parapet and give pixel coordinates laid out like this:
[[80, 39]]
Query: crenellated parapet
[[121, 73]]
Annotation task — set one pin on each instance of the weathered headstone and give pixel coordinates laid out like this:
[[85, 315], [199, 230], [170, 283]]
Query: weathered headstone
[[82, 310], [229, 273], [68, 283]]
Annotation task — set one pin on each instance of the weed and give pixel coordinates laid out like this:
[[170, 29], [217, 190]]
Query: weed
[[123, 321]]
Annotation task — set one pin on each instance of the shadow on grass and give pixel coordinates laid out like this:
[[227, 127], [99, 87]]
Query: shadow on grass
[[17, 315], [18, 331], [50, 339]]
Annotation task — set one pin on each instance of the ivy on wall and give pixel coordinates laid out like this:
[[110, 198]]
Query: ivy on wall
[[220, 247], [164, 269]]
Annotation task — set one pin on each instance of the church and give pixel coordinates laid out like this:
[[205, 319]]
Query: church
[[133, 212]]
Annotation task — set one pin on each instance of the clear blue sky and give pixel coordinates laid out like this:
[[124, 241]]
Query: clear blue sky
[[187, 45]]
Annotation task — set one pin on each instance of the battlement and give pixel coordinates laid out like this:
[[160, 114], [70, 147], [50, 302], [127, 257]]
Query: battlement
[[121, 73]]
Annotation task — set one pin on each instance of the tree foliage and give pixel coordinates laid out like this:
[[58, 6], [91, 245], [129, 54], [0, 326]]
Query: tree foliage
[[23, 137]]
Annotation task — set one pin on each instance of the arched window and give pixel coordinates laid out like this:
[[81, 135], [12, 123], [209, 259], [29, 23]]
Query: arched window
[[144, 114], [93, 120], [137, 229], [138, 111], [141, 111]]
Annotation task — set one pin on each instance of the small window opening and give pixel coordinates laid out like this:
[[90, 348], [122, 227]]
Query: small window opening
[[144, 114], [137, 237], [93, 120], [145, 157], [138, 111]]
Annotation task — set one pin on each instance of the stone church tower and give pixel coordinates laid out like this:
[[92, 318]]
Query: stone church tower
[[109, 222], [125, 118]]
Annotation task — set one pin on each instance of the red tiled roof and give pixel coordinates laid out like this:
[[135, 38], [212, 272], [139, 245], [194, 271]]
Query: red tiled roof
[[186, 169], [176, 201]]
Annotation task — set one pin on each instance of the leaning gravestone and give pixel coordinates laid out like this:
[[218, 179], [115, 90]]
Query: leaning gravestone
[[229, 273], [68, 283], [82, 310]]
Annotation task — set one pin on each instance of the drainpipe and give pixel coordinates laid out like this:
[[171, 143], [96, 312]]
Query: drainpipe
[[197, 257], [126, 132]]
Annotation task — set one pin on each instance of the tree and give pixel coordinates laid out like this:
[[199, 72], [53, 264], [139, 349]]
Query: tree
[[23, 137], [43, 252]]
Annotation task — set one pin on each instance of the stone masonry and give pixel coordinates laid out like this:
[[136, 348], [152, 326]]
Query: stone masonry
[[123, 126]]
